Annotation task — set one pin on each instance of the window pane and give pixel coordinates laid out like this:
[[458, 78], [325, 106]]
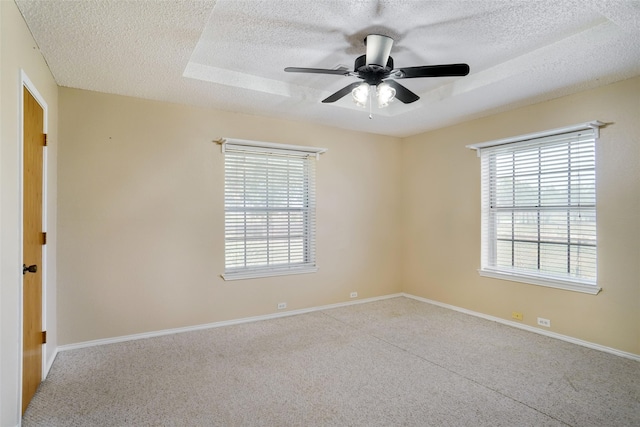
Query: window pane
[[525, 255], [525, 225], [504, 254], [553, 258], [504, 225], [583, 262], [554, 226]]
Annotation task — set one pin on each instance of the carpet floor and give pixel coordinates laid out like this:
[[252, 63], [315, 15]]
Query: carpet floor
[[394, 362]]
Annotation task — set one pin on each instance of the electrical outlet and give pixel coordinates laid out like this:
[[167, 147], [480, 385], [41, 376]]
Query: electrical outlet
[[353, 295], [544, 322], [516, 315], [282, 305]]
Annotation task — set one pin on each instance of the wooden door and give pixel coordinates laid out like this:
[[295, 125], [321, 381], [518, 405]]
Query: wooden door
[[32, 240]]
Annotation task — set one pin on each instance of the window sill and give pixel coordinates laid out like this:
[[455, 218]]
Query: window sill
[[540, 281], [255, 274]]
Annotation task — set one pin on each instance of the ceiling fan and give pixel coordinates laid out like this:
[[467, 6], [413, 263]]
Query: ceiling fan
[[376, 69]]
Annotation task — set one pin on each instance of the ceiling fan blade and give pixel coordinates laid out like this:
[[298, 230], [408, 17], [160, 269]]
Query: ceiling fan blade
[[378, 49], [402, 93], [339, 72], [432, 71], [342, 92]]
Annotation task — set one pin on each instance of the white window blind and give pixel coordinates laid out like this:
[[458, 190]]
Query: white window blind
[[539, 209], [269, 209]]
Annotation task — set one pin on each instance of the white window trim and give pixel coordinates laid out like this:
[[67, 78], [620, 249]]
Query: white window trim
[[518, 276], [549, 282], [269, 147]]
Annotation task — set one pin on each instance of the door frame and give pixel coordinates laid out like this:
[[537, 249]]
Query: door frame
[[25, 82]]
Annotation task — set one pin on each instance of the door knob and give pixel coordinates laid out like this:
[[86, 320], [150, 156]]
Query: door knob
[[31, 269]]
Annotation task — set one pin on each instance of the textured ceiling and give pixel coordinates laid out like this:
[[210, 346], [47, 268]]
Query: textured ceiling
[[230, 54]]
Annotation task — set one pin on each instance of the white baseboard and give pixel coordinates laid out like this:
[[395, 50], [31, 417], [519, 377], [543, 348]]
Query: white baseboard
[[530, 328], [49, 363], [342, 304], [217, 324]]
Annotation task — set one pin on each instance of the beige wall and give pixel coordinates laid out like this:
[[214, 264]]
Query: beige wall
[[18, 52], [441, 219], [141, 217]]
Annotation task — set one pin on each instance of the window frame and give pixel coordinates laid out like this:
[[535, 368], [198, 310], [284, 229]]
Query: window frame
[[276, 156], [489, 237]]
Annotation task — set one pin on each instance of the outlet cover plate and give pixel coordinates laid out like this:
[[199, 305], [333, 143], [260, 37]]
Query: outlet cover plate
[[544, 322]]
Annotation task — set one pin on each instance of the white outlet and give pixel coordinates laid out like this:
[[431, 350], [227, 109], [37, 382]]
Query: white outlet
[[282, 305], [353, 295], [544, 322]]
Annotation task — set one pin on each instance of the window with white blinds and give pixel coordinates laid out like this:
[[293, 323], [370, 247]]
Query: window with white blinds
[[539, 209], [270, 208]]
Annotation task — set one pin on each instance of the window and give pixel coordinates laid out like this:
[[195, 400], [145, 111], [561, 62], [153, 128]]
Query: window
[[539, 208], [269, 201]]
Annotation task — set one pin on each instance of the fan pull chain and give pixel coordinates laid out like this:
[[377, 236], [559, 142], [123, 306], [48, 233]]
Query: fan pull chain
[[370, 104]]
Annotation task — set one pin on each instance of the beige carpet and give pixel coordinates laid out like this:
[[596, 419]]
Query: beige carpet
[[396, 362]]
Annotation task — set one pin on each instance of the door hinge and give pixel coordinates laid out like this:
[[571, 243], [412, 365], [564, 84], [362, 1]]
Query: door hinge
[[44, 238], [45, 139], [44, 337]]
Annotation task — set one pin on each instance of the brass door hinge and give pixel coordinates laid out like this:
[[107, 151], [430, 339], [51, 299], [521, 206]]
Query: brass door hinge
[[44, 337], [45, 139], [44, 238]]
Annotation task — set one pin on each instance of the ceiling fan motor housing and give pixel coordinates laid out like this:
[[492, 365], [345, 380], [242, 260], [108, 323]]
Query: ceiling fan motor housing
[[378, 49], [372, 74]]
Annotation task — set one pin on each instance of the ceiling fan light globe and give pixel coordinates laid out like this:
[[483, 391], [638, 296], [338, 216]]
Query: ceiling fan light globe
[[385, 94], [361, 94]]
